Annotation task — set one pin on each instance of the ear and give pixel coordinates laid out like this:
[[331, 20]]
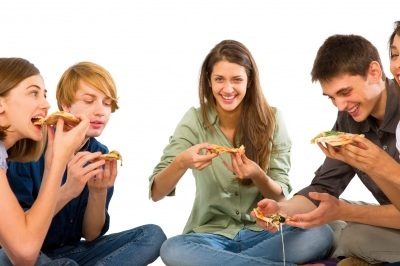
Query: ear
[[375, 72], [2, 109]]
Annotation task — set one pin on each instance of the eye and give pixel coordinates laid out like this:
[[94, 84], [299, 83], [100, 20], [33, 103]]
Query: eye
[[34, 93], [108, 102], [218, 79], [394, 56]]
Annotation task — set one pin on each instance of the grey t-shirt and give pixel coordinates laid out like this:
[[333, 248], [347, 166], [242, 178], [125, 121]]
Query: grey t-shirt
[[3, 157]]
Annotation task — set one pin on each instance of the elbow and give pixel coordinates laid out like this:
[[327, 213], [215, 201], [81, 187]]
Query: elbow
[[91, 237], [24, 256], [156, 198]]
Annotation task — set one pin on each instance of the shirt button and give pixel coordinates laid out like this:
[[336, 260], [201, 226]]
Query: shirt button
[[71, 221], [236, 193], [237, 212], [385, 147]]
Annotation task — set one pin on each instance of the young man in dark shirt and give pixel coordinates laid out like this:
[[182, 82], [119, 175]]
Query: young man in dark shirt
[[350, 72]]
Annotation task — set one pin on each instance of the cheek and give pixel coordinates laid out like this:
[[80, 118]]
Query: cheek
[[392, 67]]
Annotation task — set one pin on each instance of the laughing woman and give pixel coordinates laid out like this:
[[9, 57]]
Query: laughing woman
[[233, 112]]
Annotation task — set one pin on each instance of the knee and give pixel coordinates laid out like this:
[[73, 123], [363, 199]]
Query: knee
[[170, 253], [352, 238], [155, 233]]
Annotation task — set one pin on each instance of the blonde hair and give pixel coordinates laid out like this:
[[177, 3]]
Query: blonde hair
[[13, 71], [92, 74]]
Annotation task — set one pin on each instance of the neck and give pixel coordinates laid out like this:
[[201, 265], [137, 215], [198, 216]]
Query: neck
[[83, 144]]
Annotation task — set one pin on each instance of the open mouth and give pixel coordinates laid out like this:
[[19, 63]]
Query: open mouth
[[37, 121]]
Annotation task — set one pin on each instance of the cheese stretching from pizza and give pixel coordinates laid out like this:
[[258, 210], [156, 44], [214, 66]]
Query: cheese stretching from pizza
[[221, 149], [53, 118], [335, 138], [273, 219]]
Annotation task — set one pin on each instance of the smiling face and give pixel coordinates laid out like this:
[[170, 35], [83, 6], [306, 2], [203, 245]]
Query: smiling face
[[395, 58], [358, 96], [95, 105], [228, 83], [24, 102]]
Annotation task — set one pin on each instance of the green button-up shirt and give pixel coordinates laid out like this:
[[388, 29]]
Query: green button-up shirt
[[222, 206]]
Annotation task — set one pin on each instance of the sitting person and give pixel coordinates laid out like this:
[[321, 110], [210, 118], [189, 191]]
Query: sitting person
[[23, 98], [350, 72], [87, 188], [233, 112]]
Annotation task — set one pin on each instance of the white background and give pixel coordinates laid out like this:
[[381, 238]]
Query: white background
[[154, 50]]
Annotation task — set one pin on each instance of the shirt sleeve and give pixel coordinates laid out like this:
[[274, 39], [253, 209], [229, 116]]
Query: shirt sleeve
[[280, 157], [183, 138]]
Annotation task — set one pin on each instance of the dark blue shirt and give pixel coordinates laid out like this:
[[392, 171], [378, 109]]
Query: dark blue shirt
[[66, 228]]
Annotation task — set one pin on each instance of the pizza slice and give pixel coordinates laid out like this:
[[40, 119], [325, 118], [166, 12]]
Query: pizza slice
[[221, 149], [335, 138], [274, 219], [111, 156], [52, 119]]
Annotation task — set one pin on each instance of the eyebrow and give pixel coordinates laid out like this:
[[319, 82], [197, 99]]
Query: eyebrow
[[35, 86], [339, 91]]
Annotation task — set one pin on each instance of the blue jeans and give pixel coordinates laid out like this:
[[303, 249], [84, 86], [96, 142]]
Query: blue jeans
[[138, 246], [248, 247], [43, 260]]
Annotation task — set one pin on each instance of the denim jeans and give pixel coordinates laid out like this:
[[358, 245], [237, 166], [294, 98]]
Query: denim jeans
[[138, 246], [248, 247], [43, 260]]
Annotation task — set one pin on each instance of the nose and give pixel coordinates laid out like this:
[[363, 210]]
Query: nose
[[99, 109], [228, 88], [341, 105], [44, 104]]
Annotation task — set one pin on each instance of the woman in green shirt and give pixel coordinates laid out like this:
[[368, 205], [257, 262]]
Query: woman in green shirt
[[233, 112]]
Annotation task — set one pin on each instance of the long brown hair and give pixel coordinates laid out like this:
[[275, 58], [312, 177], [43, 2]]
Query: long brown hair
[[13, 71], [257, 120]]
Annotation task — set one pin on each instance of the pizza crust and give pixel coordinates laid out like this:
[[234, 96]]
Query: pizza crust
[[53, 118], [274, 219], [221, 149], [337, 139]]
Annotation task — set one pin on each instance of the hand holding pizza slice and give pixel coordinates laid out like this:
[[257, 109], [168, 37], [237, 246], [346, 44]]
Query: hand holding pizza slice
[[274, 219], [335, 138], [111, 156]]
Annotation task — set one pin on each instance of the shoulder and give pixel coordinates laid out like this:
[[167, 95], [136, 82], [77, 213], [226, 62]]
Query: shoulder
[[3, 157]]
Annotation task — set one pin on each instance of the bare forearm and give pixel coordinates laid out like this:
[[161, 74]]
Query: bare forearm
[[268, 187], [376, 215], [166, 180], [95, 215]]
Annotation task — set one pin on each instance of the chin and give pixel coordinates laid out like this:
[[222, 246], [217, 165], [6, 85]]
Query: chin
[[94, 133]]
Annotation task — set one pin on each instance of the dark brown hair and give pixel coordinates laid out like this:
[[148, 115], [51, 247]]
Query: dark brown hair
[[344, 54]]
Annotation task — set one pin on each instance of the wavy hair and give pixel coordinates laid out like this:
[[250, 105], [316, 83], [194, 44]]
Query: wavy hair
[[257, 121]]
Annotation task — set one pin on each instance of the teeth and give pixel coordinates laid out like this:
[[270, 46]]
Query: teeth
[[228, 97], [353, 109]]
